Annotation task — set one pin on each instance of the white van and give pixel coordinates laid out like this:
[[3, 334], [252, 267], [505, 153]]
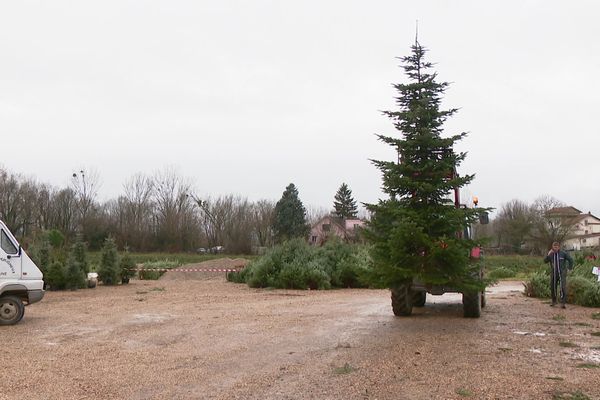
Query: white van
[[20, 279]]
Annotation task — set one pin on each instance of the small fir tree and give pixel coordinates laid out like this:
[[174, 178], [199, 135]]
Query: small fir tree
[[42, 253], [290, 216], [74, 276], [344, 204], [79, 253], [415, 232], [108, 271], [55, 276], [126, 266]]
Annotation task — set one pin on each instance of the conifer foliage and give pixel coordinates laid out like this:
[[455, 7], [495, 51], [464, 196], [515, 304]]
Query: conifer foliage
[[344, 204], [290, 216], [108, 271], [414, 231]]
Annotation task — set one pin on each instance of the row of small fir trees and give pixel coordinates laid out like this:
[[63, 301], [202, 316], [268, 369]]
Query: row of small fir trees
[[71, 273]]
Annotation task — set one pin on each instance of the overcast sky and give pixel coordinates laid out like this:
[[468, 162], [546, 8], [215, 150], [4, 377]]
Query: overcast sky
[[245, 97]]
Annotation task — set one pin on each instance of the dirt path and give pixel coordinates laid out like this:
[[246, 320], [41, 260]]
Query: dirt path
[[209, 339]]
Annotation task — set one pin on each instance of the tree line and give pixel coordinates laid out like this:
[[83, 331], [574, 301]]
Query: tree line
[[159, 212], [520, 227]]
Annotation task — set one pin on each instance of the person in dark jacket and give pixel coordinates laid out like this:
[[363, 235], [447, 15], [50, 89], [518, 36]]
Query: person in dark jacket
[[560, 261]]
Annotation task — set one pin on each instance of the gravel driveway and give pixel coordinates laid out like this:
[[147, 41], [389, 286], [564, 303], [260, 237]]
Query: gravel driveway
[[210, 339]]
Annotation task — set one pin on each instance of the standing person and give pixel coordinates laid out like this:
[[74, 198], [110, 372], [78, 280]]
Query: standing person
[[558, 260]]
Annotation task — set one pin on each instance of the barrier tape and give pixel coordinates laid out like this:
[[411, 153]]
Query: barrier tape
[[187, 269]]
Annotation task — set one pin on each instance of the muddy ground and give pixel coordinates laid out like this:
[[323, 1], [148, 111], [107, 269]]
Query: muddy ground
[[204, 338]]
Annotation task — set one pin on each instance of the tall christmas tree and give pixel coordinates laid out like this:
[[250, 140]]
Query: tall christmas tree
[[344, 204], [290, 216], [417, 233]]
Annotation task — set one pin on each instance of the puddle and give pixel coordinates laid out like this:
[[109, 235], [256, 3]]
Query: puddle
[[523, 333], [149, 318]]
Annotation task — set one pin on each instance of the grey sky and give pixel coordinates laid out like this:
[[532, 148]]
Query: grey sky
[[246, 96]]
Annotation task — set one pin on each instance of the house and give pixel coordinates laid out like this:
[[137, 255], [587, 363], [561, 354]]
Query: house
[[584, 229], [328, 226], [585, 232]]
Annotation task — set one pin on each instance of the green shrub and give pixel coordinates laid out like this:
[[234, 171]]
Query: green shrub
[[538, 284], [55, 276], [154, 275], [576, 286], [79, 254], [126, 267], [238, 277], [56, 238], [520, 265], [501, 273], [591, 296], [296, 265], [108, 271], [74, 276], [582, 287]]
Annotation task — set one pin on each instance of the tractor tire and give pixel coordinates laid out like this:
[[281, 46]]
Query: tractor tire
[[472, 304], [12, 310], [402, 300], [483, 301], [419, 299]]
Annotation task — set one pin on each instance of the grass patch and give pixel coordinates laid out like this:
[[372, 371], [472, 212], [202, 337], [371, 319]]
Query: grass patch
[[595, 333], [588, 365], [559, 317], [178, 258], [346, 369], [582, 324], [157, 289], [596, 315], [464, 392], [578, 395], [567, 344], [555, 378]]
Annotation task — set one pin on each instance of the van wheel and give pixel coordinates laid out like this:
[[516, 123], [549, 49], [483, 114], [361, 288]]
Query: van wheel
[[12, 310]]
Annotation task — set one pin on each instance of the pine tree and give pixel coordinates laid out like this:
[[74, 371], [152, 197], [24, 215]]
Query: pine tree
[[108, 271], [344, 204], [79, 252], [126, 267], [414, 231], [290, 216]]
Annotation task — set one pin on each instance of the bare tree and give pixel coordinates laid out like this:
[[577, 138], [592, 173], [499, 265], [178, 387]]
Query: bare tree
[[314, 214], [85, 184], [138, 221], [549, 224], [262, 222], [514, 224], [174, 210]]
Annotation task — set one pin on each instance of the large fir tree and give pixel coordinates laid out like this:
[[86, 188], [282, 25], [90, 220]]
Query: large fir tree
[[344, 204], [416, 232], [289, 216]]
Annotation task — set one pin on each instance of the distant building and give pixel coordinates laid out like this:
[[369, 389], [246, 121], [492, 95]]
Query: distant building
[[346, 229], [585, 232]]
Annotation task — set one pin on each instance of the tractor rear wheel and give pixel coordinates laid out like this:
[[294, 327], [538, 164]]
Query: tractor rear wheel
[[472, 304], [402, 301], [419, 299]]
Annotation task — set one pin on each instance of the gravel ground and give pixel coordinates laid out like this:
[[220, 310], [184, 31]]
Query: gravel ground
[[205, 338]]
